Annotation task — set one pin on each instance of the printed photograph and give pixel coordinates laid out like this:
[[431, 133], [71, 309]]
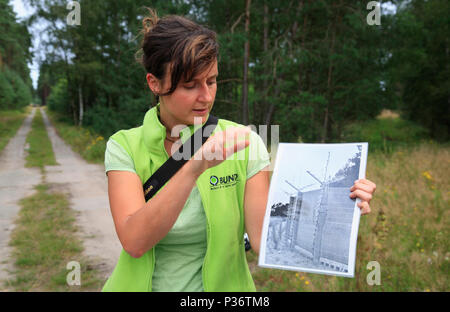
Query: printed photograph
[[311, 223]]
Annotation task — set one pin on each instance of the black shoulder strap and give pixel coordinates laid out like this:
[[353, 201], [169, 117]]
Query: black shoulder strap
[[175, 162]]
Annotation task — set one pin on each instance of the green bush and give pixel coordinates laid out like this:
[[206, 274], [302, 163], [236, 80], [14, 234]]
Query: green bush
[[58, 98], [106, 121], [385, 134], [14, 92], [102, 120], [6, 92]]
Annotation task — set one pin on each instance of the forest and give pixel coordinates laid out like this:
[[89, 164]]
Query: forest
[[312, 67], [315, 71]]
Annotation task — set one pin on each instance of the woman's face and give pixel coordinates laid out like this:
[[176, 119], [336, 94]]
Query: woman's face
[[190, 100]]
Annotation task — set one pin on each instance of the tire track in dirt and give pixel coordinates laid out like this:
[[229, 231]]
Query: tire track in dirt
[[16, 182], [87, 190]]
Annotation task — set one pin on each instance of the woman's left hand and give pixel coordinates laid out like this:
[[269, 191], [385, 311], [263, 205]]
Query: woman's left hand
[[363, 189]]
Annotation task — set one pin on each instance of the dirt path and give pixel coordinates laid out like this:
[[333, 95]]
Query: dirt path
[[86, 185], [16, 182]]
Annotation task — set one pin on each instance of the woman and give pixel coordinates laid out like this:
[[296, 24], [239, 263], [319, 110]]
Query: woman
[[189, 235]]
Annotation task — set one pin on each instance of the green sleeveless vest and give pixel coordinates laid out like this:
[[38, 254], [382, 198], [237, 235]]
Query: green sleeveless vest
[[221, 189]]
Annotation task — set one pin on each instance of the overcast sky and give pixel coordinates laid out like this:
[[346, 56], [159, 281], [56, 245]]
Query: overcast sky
[[24, 11]]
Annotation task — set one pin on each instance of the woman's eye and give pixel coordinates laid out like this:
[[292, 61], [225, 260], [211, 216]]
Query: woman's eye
[[193, 86]]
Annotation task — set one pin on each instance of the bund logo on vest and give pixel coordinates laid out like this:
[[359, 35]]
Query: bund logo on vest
[[216, 182]]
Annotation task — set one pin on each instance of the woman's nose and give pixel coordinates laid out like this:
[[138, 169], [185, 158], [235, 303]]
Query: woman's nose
[[206, 92]]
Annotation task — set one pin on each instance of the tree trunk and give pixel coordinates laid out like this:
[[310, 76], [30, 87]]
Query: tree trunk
[[264, 103], [302, 49], [74, 111], [326, 126], [80, 102], [246, 61], [271, 109]]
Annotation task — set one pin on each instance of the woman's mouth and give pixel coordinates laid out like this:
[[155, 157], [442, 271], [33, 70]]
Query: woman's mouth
[[201, 111]]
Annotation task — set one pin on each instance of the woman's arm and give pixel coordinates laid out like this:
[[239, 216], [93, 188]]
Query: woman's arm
[[140, 225], [255, 202]]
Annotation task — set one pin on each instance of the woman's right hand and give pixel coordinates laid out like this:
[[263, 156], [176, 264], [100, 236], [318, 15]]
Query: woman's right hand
[[219, 147]]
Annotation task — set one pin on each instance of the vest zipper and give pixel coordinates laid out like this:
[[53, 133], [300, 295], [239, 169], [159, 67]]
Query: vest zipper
[[208, 231]]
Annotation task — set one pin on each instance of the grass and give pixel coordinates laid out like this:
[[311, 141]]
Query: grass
[[10, 122], [83, 141], [407, 232], [44, 238], [45, 242], [40, 152]]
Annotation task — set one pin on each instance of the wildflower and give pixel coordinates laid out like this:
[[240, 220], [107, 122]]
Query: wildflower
[[418, 244], [302, 278], [296, 274], [427, 290], [306, 282], [422, 250], [427, 175]]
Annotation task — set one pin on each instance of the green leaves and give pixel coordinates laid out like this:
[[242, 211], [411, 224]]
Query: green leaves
[[314, 66]]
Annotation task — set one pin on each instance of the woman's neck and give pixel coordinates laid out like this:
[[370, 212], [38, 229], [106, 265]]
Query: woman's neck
[[167, 124]]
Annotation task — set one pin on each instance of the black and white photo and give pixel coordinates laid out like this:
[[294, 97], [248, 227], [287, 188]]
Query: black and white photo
[[311, 223]]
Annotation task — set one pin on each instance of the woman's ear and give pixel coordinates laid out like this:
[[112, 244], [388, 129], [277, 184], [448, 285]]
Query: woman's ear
[[153, 83]]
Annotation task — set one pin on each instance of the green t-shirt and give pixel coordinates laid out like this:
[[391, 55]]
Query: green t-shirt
[[179, 255]]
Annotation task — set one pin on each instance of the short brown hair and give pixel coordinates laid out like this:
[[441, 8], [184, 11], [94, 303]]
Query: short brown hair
[[188, 48]]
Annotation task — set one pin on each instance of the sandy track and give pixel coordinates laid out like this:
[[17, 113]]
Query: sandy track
[[86, 185], [16, 182]]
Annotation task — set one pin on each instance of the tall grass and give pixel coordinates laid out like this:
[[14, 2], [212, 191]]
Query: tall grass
[[44, 242], [40, 152], [85, 142]]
